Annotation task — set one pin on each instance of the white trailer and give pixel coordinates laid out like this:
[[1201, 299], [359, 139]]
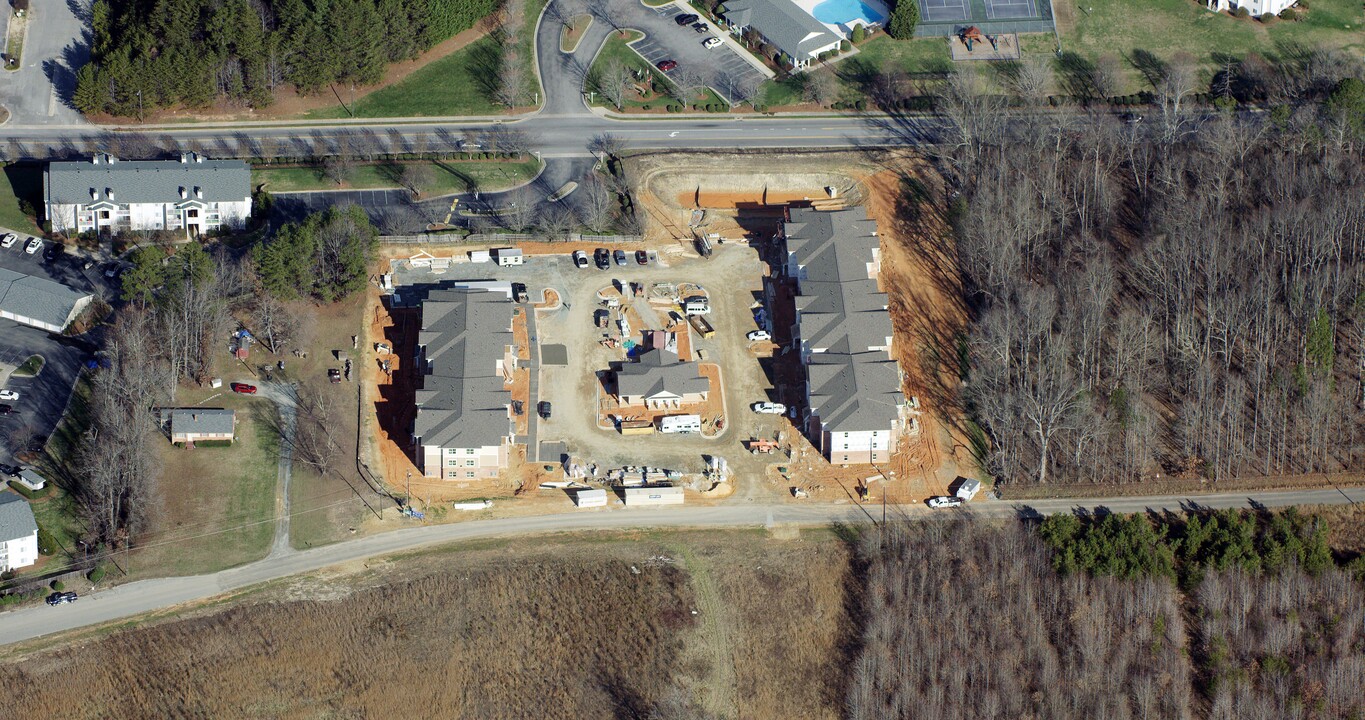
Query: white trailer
[[968, 489], [653, 496], [680, 424], [590, 498], [509, 256]]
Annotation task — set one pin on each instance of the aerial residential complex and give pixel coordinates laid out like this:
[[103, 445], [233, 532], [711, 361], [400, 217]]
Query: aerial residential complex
[[465, 360], [107, 195], [853, 386]]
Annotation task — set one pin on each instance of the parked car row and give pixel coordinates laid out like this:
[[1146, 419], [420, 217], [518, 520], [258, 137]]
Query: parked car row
[[31, 246], [603, 258]]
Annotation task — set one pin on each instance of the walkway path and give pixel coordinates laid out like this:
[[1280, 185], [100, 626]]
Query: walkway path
[[145, 596]]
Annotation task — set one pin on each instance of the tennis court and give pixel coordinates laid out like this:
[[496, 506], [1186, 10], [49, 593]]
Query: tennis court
[[1010, 9], [943, 10], [947, 17]]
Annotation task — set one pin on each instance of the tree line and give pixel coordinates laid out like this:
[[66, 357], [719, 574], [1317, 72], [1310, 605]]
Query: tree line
[[961, 618], [150, 54], [1181, 294], [326, 256]]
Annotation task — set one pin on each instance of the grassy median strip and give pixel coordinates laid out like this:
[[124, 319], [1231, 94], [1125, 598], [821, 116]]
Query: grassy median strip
[[443, 178]]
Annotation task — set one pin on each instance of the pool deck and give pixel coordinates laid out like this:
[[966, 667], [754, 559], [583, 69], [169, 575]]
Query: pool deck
[[842, 29]]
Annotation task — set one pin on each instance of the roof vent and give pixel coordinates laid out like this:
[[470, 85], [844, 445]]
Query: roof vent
[[183, 194], [199, 192]]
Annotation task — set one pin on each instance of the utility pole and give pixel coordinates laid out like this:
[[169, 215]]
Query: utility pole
[[407, 500]]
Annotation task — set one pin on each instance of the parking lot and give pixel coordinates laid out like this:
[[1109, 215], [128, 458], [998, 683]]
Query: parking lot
[[733, 278], [65, 268], [720, 67], [42, 399]]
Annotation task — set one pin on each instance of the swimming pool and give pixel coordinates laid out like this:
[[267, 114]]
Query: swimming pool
[[846, 12]]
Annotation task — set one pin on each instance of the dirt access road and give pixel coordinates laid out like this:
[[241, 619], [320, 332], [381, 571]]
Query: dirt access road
[[147, 596]]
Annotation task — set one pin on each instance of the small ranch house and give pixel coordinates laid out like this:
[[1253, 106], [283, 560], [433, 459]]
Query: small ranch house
[[192, 425], [656, 384]]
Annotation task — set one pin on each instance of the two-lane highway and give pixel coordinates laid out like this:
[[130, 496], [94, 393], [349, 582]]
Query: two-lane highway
[[147, 596]]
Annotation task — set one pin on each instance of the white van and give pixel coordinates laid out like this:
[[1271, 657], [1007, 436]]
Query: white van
[[696, 305]]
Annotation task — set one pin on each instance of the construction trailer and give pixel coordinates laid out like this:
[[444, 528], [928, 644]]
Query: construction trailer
[[479, 256], [509, 256], [653, 496], [680, 424], [968, 489], [590, 498]]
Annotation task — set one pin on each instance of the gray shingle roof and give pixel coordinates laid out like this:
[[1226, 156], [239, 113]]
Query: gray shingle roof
[[463, 402], [843, 312], [783, 23], [146, 181], [38, 298], [202, 421], [650, 375], [16, 517], [854, 391]]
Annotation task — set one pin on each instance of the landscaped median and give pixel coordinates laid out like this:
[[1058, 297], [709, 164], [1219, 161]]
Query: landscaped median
[[428, 177]]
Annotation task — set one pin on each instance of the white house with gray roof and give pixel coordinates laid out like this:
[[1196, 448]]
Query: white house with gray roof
[[655, 383], [784, 24], [107, 195], [853, 385], [190, 425], [18, 533], [465, 356], [39, 302]]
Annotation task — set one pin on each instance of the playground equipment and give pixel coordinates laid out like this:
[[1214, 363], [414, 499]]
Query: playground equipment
[[972, 35]]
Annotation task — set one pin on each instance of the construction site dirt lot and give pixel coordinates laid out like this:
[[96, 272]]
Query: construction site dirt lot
[[747, 196]]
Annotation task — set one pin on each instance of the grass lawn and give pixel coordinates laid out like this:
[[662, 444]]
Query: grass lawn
[[21, 181], [57, 514], [31, 367], [218, 503], [447, 176], [461, 83], [1166, 27], [617, 49], [570, 34]]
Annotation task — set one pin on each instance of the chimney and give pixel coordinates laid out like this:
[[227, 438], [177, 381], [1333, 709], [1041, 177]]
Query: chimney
[[183, 194], [109, 193], [112, 159], [199, 192], [184, 158], [94, 194], [97, 159], [198, 158]]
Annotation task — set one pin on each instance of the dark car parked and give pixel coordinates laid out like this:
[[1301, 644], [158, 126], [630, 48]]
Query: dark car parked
[[544, 409], [642, 257], [685, 19], [620, 257], [602, 258], [666, 65], [59, 598]]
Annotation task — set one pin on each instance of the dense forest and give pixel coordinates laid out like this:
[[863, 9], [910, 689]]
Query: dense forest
[[149, 54], [974, 620], [1183, 295]]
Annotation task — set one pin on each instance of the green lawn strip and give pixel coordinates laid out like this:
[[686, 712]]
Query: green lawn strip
[[313, 522], [30, 367], [19, 182], [461, 83], [1166, 27], [240, 479], [617, 48], [571, 34], [14, 48], [447, 176], [57, 516]]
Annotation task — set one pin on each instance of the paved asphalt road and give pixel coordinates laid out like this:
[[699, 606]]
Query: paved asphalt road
[[149, 595]]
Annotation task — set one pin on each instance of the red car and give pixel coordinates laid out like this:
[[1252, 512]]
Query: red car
[[244, 389], [666, 65]]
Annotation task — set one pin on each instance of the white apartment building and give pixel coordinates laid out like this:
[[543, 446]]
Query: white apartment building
[[107, 195], [18, 533]]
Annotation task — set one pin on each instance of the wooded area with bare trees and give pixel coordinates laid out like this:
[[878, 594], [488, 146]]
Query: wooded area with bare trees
[[966, 618], [1181, 296]]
